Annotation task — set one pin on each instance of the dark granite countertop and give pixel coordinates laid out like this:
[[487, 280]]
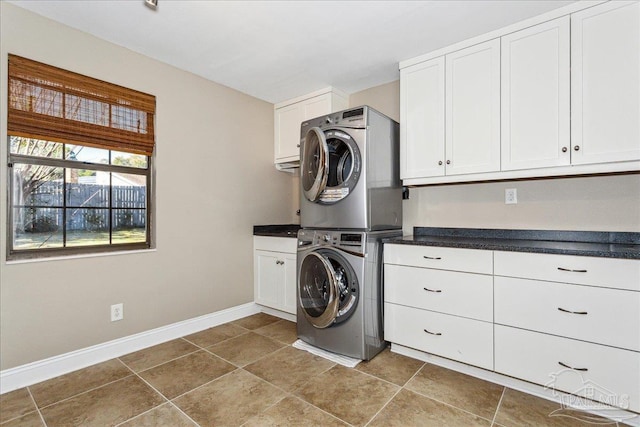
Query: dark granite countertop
[[277, 230], [582, 243]]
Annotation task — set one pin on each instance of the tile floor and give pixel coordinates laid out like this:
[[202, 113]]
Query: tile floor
[[246, 373]]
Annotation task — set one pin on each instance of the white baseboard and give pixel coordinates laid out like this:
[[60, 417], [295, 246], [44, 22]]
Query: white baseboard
[[621, 415], [277, 313], [41, 370]]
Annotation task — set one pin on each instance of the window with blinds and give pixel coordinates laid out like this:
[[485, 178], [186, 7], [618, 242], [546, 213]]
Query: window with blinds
[[80, 157]]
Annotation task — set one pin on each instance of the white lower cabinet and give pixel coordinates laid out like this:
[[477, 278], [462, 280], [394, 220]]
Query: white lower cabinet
[[604, 374], [567, 323], [440, 300], [274, 270], [450, 292], [465, 340], [601, 315]]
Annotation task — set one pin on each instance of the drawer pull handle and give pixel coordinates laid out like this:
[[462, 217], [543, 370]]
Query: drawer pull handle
[[572, 368], [432, 333], [430, 257], [432, 290], [572, 312], [571, 271]]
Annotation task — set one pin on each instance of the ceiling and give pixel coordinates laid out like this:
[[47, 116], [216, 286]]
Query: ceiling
[[276, 50]]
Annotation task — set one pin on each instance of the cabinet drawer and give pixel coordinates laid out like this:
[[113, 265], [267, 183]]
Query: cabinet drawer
[[612, 375], [607, 272], [469, 260], [612, 316], [464, 340], [275, 244], [450, 292]]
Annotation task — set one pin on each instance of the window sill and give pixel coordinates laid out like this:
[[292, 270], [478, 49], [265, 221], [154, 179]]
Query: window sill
[[79, 256]]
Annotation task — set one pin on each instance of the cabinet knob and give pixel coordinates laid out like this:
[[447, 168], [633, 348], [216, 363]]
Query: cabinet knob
[[448, 162], [440, 163], [298, 145], [576, 148], [278, 262], [564, 149]]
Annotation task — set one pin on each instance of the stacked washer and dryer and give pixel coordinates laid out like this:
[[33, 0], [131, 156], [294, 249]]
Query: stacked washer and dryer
[[350, 200]]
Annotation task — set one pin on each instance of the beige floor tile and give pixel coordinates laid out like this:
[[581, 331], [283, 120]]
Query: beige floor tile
[[521, 409], [292, 411], [165, 415], [230, 400], [256, 321], [246, 348], [283, 331], [186, 373], [108, 405], [391, 367], [463, 391], [409, 409], [30, 420], [15, 404], [212, 336], [350, 395], [62, 387], [158, 354], [289, 368]]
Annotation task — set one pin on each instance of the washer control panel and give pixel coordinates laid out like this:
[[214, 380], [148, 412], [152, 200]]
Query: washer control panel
[[354, 241]]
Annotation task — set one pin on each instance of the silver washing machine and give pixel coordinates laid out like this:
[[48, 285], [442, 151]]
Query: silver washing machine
[[349, 171], [339, 292]]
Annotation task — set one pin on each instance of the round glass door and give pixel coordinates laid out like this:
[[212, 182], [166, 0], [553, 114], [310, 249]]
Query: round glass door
[[327, 287], [314, 165], [343, 166]]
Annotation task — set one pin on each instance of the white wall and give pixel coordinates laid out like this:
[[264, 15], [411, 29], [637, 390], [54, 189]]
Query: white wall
[[600, 203], [215, 179]]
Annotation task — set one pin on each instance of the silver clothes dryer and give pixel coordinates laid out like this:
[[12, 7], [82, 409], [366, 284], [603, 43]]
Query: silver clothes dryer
[[349, 171]]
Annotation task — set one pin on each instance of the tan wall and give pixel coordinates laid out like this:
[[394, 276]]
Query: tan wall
[[215, 179], [606, 203]]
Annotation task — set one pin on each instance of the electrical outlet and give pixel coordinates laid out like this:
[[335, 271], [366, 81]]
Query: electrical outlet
[[117, 312], [510, 196]]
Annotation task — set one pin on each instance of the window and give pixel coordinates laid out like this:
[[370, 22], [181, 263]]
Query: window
[[80, 162]]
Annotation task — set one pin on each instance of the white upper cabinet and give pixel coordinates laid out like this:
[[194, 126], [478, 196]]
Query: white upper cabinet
[[472, 99], [605, 83], [289, 115], [422, 120], [555, 95], [535, 96], [450, 114], [287, 132]]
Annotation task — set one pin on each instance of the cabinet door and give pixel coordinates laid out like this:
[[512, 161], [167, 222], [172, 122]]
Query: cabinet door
[[268, 278], [290, 284], [316, 107], [473, 109], [422, 120], [535, 96], [605, 83], [606, 374], [287, 132]]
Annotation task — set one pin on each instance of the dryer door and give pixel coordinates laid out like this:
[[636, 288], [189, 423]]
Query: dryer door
[[314, 165], [327, 288], [344, 165]]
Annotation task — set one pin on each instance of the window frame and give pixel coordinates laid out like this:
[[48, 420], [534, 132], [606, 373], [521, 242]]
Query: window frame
[[22, 254]]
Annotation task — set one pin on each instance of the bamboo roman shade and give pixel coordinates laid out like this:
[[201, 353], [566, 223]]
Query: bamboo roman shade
[[50, 103]]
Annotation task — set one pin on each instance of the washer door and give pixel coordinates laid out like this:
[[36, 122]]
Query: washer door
[[314, 165], [327, 288]]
